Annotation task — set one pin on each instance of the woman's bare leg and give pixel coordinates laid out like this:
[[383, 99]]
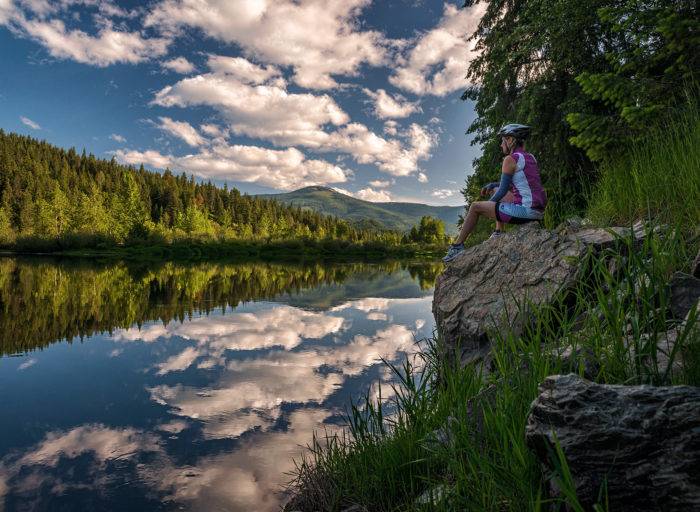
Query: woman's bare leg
[[508, 198], [485, 208]]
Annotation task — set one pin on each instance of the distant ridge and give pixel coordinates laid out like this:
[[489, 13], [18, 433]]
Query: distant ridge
[[390, 215]]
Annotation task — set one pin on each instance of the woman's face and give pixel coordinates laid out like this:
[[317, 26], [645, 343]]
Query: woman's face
[[506, 143]]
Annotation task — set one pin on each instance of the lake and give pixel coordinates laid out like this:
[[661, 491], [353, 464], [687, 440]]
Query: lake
[[188, 386]]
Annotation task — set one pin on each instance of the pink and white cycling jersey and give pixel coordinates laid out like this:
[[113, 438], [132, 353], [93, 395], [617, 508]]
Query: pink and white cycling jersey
[[527, 186]]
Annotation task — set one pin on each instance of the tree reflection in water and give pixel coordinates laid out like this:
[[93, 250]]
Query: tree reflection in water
[[43, 301]]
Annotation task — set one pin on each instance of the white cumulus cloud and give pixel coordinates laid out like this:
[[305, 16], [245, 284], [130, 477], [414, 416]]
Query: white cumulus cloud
[[388, 107], [242, 69], [213, 130], [443, 193], [369, 194], [393, 156], [282, 169], [391, 128], [265, 111], [182, 130], [41, 21], [179, 65], [437, 63], [108, 47], [256, 103], [315, 38]]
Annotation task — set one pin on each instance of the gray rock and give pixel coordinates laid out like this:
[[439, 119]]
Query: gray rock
[[574, 358], [491, 286], [642, 441], [661, 364], [445, 435], [571, 224], [442, 436], [684, 291], [689, 329], [671, 359], [616, 265], [665, 345], [604, 238], [435, 496], [599, 237], [355, 508]]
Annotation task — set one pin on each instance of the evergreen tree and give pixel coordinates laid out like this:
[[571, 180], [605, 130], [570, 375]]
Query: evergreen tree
[[653, 65], [430, 231], [589, 77]]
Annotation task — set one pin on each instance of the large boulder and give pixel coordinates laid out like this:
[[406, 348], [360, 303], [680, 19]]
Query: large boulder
[[641, 443], [491, 286]]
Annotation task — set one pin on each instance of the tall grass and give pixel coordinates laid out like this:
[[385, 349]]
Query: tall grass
[[658, 178], [458, 435]]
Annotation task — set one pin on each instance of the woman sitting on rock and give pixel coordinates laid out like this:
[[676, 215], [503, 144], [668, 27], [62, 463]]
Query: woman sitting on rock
[[520, 197]]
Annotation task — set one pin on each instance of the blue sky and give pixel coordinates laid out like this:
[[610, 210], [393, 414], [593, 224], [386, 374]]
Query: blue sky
[[265, 95]]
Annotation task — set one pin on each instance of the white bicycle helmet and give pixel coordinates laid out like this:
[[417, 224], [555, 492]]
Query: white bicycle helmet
[[518, 131]]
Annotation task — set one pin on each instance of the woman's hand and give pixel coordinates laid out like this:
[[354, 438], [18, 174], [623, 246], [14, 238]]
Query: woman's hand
[[489, 189]]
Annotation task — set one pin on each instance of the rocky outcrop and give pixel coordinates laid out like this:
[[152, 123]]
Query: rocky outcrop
[[491, 286], [684, 291], [642, 442]]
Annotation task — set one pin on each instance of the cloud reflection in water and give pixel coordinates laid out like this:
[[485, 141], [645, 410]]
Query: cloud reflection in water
[[263, 380]]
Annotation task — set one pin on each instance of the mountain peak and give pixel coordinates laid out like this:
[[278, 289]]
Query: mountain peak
[[315, 188], [390, 215]]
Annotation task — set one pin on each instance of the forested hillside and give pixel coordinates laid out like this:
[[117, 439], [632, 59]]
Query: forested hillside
[[393, 216], [52, 196]]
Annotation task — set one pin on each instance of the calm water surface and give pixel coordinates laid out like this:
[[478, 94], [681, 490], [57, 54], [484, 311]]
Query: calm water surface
[[187, 386]]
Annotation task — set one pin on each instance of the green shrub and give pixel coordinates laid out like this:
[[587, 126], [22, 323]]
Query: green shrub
[[657, 179]]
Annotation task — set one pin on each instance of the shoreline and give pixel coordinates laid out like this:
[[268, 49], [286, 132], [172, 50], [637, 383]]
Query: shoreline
[[264, 252]]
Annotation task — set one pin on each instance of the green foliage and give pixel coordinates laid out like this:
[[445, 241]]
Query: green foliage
[[653, 61], [7, 234], [657, 178], [53, 213], [428, 231], [193, 221]]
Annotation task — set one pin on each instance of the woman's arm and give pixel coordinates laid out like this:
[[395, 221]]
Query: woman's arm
[[507, 171], [488, 187]]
